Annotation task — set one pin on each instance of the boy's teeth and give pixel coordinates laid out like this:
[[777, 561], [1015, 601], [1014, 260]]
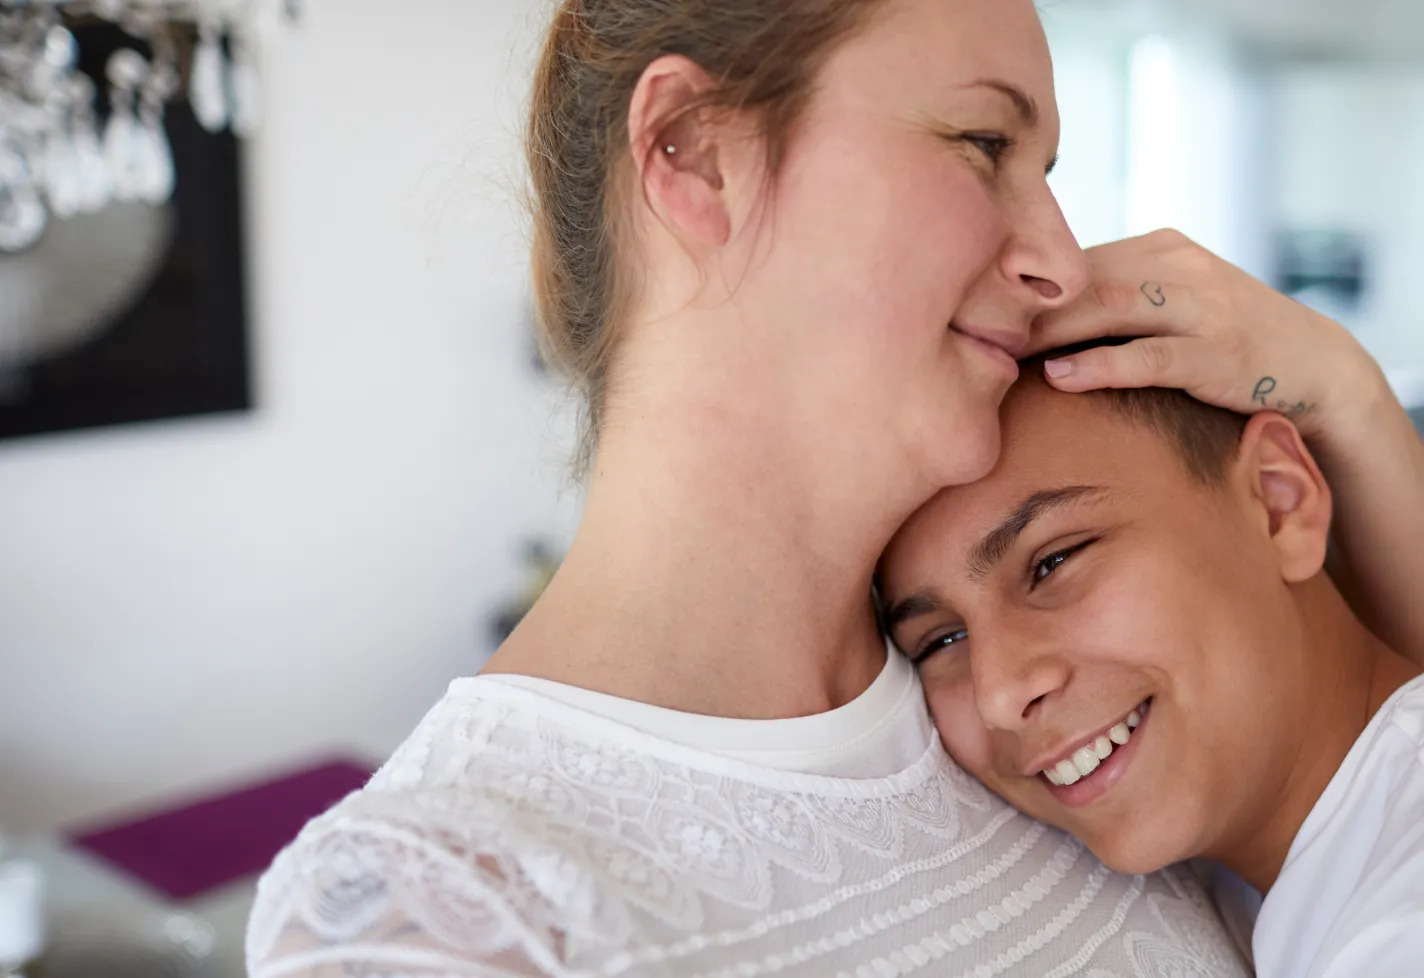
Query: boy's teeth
[[1086, 759]]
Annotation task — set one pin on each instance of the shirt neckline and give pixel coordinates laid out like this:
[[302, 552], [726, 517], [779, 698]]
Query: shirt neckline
[[881, 704]]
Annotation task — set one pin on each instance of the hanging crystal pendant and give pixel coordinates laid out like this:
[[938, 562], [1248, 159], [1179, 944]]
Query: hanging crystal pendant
[[207, 85], [126, 70], [92, 172], [155, 176], [22, 212], [121, 153], [61, 51], [96, 184], [111, 10], [58, 157], [246, 94], [157, 156], [62, 180], [123, 142]]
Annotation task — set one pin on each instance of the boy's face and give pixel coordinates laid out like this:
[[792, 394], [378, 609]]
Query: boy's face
[[1087, 579]]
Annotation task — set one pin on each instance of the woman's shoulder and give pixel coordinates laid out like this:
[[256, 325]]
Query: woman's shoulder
[[377, 886], [507, 824], [440, 859]]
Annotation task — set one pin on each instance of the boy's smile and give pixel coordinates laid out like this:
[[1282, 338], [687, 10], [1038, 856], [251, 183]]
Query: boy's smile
[[1082, 774]]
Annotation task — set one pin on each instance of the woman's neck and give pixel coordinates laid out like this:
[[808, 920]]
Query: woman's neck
[[719, 569]]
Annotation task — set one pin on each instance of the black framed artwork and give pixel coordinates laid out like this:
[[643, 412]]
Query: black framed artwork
[[136, 312]]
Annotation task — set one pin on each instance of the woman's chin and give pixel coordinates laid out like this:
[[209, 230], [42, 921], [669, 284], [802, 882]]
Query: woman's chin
[[967, 452]]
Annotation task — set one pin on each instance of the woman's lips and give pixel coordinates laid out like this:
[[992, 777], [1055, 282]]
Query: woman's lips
[[995, 352]]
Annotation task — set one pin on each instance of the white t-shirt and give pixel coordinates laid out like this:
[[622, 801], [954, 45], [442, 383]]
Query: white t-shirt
[[883, 730], [531, 830], [1349, 902]]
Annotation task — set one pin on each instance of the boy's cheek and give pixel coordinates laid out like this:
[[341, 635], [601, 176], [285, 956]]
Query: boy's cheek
[[956, 715]]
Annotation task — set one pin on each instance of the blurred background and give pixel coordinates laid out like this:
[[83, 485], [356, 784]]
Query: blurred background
[[349, 473], [1281, 134]]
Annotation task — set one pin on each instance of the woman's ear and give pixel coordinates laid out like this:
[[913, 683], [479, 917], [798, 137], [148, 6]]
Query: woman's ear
[[1289, 492], [676, 142]]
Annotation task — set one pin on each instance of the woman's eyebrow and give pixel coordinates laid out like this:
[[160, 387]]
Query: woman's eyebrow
[[987, 554], [1024, 104]]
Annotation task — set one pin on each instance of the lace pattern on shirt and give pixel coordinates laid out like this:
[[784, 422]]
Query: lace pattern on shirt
[[507, 837]]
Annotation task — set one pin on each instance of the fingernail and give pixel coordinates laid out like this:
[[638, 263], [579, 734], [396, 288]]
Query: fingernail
[[1058, 369]]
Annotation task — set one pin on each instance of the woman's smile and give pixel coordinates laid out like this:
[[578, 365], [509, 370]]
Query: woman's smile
[[992, 348]]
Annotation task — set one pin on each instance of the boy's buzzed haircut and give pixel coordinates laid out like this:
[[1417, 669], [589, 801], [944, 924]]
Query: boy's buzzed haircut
[[1204, 436]]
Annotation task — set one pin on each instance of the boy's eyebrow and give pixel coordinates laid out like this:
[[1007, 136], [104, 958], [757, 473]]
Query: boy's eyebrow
[[987, 554], [925, 601], [991, 549]]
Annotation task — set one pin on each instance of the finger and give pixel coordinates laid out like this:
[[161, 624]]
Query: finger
[[1181, 362], [1116, 307], [1145, 251]]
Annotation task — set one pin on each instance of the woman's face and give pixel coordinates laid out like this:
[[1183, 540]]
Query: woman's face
[[911, 236]]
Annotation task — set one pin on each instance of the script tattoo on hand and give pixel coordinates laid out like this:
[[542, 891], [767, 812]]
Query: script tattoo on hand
[[1267, 386], [1154, 294]]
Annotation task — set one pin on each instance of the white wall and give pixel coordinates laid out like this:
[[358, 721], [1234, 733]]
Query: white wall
[[1349, 141], [1179, 144], [1231, 149], [1089, 69], [185, 602], [1196, 154]]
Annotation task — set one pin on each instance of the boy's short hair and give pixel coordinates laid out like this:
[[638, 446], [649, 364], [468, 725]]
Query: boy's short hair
[[1204, 436]]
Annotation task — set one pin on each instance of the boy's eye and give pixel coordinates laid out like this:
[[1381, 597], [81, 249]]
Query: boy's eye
[[940, 643], [1048, 565], [1044, 568]]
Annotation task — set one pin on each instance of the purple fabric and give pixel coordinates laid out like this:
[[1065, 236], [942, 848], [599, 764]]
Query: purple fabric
[[187, 851]]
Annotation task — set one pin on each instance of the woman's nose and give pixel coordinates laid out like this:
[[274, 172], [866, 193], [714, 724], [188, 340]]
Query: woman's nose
[[1045, 257]]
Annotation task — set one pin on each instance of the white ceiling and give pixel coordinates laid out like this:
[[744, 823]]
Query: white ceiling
[[1390, 30]]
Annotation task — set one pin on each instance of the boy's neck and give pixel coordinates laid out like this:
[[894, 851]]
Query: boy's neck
[[1354, 674]]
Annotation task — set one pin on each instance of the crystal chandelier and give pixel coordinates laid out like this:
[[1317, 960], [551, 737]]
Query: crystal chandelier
[[59, 154]]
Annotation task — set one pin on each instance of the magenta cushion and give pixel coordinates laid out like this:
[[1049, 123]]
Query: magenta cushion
[[188, 850]]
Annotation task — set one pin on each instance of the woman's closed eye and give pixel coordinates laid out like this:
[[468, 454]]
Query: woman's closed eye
[[993, 145], [1045, 568]]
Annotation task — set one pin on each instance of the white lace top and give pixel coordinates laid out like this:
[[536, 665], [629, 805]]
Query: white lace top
[[517, 835]]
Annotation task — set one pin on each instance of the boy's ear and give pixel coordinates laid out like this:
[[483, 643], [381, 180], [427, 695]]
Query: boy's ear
[[1289, 493]]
